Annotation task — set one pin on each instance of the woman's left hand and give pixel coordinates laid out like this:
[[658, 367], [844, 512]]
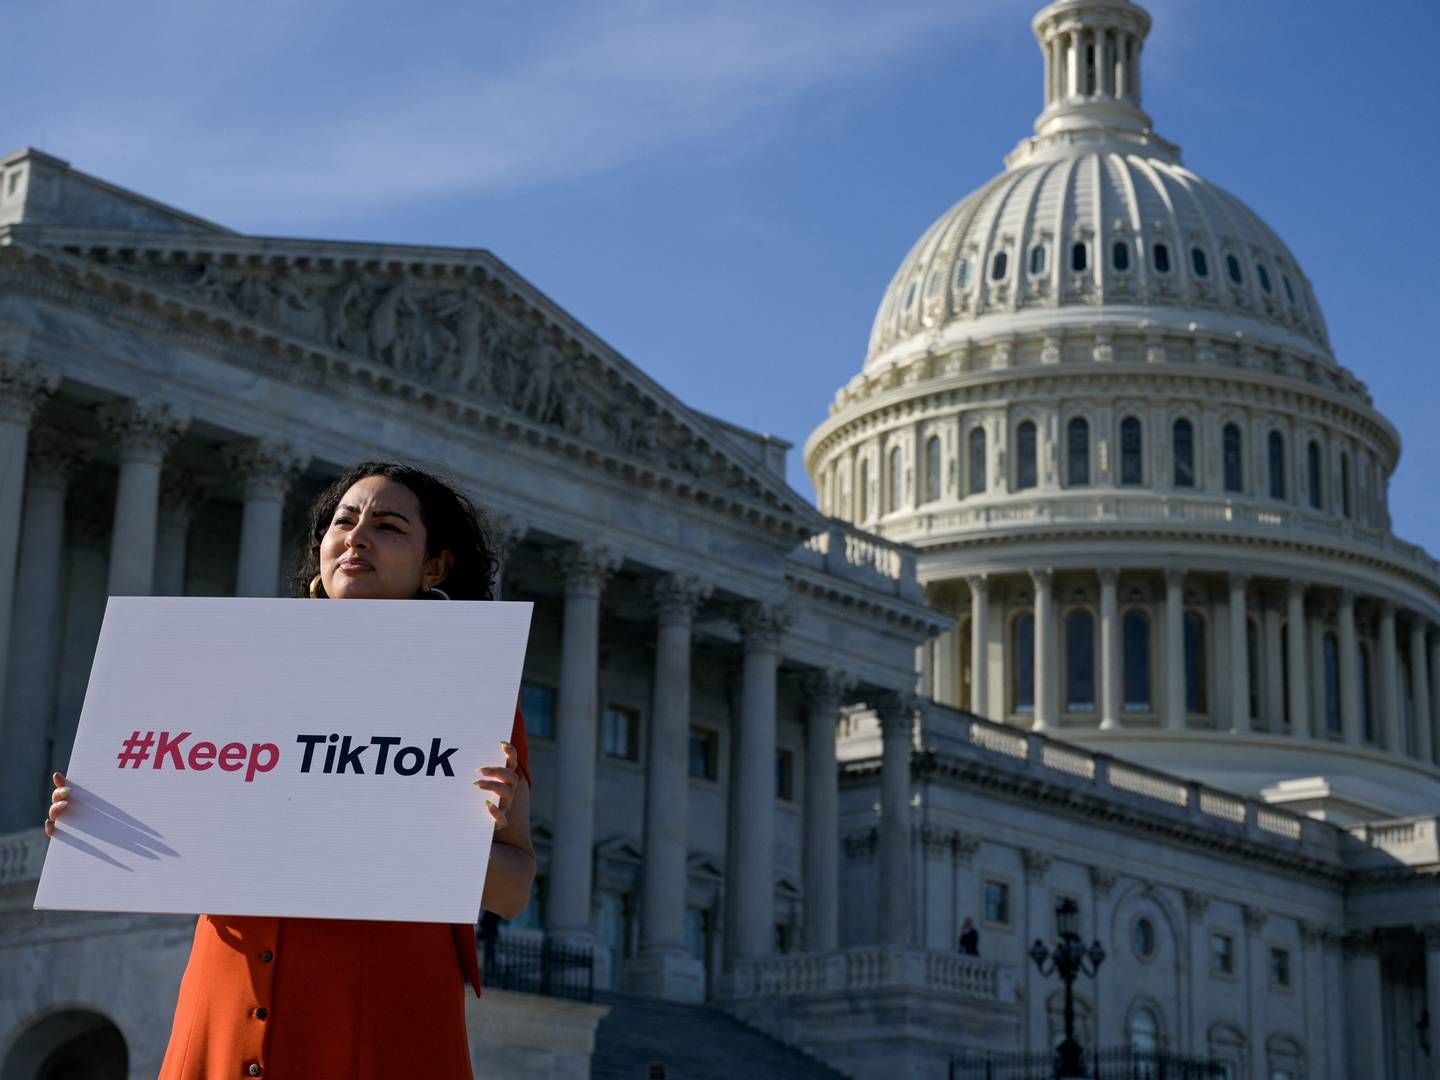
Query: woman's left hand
[[501, 783]]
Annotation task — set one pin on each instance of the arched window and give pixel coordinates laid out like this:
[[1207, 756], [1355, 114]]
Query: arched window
[[1312, 466], [1289, 290], [1077, 452], [897, 479], [999, 265], [1079, 257], [1120, 256], [1144, 1034], [1200, 262], [1026, 475], [862, 494], [1264, 276], [1022, 648], [1332, 683], [1183, 438], [977, 460], [1345, 484], [1234, 473], [1367, 695], [1135, 629], [1037, 259], [1232, 266], [962, 274], [1277, 465], [1161, 259], [1132, 451], [932, 468], [1252, 664], [1197, 698], [1080, 661]]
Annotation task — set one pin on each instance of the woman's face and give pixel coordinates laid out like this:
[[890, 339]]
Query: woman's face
[[374, 548]]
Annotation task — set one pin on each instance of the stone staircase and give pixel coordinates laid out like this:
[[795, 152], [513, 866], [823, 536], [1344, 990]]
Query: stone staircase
[[692, 1042]]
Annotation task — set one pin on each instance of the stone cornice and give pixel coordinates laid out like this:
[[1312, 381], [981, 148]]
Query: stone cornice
[[728, 479], [867, 604]]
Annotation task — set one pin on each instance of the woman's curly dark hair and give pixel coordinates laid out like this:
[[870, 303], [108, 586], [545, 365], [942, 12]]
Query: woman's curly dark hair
[[452, 523]]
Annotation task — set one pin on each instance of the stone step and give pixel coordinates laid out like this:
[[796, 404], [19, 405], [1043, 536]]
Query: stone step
[[692, 1042]]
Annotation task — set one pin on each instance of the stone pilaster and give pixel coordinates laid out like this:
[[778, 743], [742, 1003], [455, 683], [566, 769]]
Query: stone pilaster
[[268, 470], [1364, 997], [1110, 655], [1296, 658], [824, 694], [1197, 938], [1174, 679], [979, 642], [1393, 737], [1047, 690], [144, 431], [584, 570], [1350, 715], [1239, 656], [897, 726]]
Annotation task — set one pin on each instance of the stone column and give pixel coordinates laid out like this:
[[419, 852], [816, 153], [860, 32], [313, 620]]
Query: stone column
[[1174, 718], [750, 876], [1420, 693], [897, 721], [26, 724], [979, 642], [1364, 998], [1295, 653], [1039, 923], [1389, 681], [145, 431], [1273, 668], [1110, 678], [584, 570], [664, 969], [268, 470], [506, 534], [23, 385], [1349, 670], [1046, 691], [1431, 932], [824, 693], [1257, 980], [179, 495], [1239, 657]]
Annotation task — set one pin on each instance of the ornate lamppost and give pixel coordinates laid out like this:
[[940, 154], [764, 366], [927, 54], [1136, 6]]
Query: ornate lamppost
[[1068, 958]]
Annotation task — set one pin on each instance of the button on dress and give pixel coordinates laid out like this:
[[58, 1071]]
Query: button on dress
[[326, 999]]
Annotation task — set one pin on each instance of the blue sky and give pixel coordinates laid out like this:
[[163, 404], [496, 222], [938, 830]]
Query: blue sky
[[723, 188]]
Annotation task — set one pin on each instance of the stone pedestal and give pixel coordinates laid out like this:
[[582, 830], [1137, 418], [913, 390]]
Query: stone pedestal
[[668, 974]]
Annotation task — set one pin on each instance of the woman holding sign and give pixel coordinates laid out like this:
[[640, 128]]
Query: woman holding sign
[[327, 998]]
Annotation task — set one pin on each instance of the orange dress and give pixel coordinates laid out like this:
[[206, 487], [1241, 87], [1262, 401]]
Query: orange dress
[[326, 999]]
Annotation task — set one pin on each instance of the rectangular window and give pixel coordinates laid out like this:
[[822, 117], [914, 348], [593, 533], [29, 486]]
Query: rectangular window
[[785, 774], [620, 732], [537, 706], [1222, 954], [704, 753], [1280, 968], [997, 903]]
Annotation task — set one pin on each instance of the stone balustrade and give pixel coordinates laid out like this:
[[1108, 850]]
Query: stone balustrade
[[874, 967], [22, 854], [845, 551]]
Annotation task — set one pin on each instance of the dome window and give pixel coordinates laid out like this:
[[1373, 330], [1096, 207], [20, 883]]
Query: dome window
[[1162, 259], [1080, 661], [1022, 670], [1184, 447], [977, 460], [1079, 258], [1196, 700], [1234, 475], [962, 274], [1332, 683], [932, 468], [1200, 262], [1026, 475], [1289, 291], [1345, 484], [1077, 452], [1120, 256], [1277, 465], [1232, 265], [1132, 451], [897, 480], [1316, 476], [999, 266], [1264, 276], [1037, 259]]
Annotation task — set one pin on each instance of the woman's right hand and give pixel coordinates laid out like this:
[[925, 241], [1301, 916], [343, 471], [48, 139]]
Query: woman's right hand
[[59, 801]]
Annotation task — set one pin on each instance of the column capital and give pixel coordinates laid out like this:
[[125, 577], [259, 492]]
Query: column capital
[[1174, 578], [966, 845], [1294, 587], [677, 597], [978, 583], [1196, 902], [23, 385], [763, 625], [1102, 880], [1255, 918], [1239, 582], [1386, 608], [55, 454], [936, 840], [1109, 576], [1356, 942], [896, 712], [585, 567], [1037, 865], [1310, 933], [268, 468], [1346, 598], [505, 532], [144, 430], [825, 690], [1042, 577]]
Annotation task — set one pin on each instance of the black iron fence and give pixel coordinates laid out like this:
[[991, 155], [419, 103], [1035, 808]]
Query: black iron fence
[[1113, 1063], [538, 966]]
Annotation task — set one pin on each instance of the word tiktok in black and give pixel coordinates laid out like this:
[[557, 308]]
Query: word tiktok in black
[[347, 755]]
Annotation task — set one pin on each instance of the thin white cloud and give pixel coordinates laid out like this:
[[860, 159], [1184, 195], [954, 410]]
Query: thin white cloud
[[285, 128]]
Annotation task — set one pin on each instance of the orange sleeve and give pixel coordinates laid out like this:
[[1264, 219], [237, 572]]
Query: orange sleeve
[[522, 748]]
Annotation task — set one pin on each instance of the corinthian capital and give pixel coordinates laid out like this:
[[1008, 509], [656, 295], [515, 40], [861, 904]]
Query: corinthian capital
[[23, 385], [145, 430], [825, 690], [268, 468], [763, 626], [677, 597], [55, 454], [896, 712], [585, 567]]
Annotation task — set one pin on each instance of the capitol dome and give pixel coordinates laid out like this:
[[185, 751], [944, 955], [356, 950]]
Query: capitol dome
[[1100, 401]]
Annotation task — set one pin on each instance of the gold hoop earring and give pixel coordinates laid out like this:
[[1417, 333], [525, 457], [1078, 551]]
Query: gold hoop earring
[[315, 587], [437, 591]]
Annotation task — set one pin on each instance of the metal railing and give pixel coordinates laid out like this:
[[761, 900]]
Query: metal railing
[[531, 966], [1109, 1063]]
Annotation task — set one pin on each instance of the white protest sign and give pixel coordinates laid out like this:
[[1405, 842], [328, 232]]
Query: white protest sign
[[288, 758]]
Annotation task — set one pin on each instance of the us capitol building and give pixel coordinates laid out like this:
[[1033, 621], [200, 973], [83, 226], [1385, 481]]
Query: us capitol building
[[1100, 603]]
